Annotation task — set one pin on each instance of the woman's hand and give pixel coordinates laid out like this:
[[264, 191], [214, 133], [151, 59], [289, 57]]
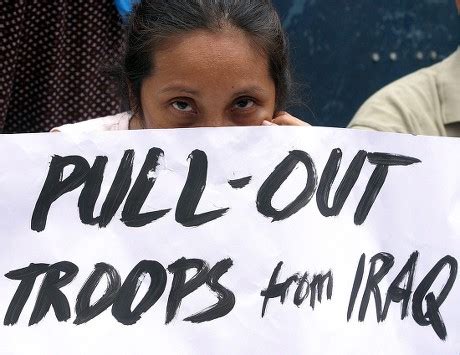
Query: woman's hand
[[283, 118]]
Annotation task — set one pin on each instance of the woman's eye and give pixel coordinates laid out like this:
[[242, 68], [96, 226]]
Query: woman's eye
[[244, 103], [182, 106]]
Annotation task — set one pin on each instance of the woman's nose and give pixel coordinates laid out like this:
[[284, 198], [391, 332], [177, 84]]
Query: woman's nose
[[215, 120]]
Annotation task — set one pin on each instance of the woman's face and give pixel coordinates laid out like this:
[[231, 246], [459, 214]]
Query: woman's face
[[208, 79]]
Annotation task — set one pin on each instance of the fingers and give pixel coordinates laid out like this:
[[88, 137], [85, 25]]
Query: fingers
[[285, 119]]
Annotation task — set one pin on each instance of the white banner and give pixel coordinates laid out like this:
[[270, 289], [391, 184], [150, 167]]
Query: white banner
[[229, 240]]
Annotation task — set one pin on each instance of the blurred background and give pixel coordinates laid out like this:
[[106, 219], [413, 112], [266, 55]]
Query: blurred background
[[345, 50]]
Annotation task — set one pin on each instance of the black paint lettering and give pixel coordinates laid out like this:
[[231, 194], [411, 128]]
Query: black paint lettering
[[50, 295], [144, 183], [192, 192], [372, 284], [118, 190], [180, 288], [91, 190], [276, 179], [275, 289], [382, 161], [240, 183], [396, 293], [121, 308], [391, 159], [346, 185], [300, 295], [54, 186], [433, 316], [83, 309], [226, 298], [316, 287], [27, 275], [356, 285], [115, 196]]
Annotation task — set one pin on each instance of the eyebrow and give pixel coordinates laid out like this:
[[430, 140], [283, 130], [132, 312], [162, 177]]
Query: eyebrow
[[178, 88], [251, 90]]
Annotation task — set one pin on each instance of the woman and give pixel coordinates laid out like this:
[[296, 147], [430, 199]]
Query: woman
[[201, 63]]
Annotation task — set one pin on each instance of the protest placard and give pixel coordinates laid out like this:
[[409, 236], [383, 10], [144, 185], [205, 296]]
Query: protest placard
[[229, 240]]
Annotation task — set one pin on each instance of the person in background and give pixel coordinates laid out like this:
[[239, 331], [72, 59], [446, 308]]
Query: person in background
[[426, 102], [201, 63], [50, 62]]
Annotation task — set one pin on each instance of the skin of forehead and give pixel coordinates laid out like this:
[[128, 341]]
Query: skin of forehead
[[210, 50]]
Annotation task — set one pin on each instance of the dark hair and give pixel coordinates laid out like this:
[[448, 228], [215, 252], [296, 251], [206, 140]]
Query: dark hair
[[154, 21]]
